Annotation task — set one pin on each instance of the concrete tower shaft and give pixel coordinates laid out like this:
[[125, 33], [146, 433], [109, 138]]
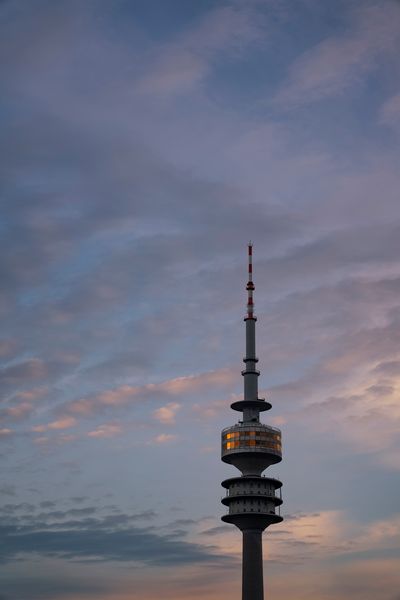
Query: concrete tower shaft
[[253, 500]]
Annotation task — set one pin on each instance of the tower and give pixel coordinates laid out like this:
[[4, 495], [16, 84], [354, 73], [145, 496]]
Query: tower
[[252, 499]]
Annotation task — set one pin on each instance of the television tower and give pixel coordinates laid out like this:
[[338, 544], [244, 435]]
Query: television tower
[[251, 447]]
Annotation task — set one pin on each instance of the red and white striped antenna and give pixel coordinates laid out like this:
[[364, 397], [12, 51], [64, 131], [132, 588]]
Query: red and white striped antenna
[[250, 285]]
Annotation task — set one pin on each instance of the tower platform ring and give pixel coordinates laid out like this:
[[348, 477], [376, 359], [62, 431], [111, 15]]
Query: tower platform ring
[[252, 520], [275, 482], [260, 405], [226, 500]]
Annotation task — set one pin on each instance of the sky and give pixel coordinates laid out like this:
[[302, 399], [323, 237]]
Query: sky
[[143, 144]]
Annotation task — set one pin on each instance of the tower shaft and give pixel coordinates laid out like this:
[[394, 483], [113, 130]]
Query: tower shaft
[[252, 568], [250, 373]]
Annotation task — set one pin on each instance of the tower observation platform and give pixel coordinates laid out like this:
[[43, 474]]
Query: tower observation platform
[[253, 500]]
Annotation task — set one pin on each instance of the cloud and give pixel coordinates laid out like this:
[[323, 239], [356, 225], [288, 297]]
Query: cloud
[[336, 253], [130, 196], [31, 394], [63, 423], [5, 432], [105, 431], [101, 539], [16, 412], [165, 438], [21, 405], [209, 410], [166, 414], [184, 63], [53, 441], [316, 538], [221, 529], [23, 372], [48, 504], [7, 490], [360, 579], [128, 395], [367, 417], [342, 61], [390, 111], [51, 580], [16, 508], [8, 348]]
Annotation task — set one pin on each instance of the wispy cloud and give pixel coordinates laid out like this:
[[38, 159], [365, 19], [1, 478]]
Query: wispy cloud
[[342, 61], [185, 62], [165, 438], [105, 431], [390, 111]]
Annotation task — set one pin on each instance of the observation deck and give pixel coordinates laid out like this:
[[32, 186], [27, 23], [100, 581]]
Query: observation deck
[[251, 447]]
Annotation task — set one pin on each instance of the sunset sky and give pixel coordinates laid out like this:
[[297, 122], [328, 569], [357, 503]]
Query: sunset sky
[[143, 144]]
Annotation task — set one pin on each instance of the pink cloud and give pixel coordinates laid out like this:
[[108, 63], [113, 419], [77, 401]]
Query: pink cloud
[[166, 414], [32, 394], [126, 394], [105, 431], [365, 410], [4, 431], [64, 423], [17, 412]]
